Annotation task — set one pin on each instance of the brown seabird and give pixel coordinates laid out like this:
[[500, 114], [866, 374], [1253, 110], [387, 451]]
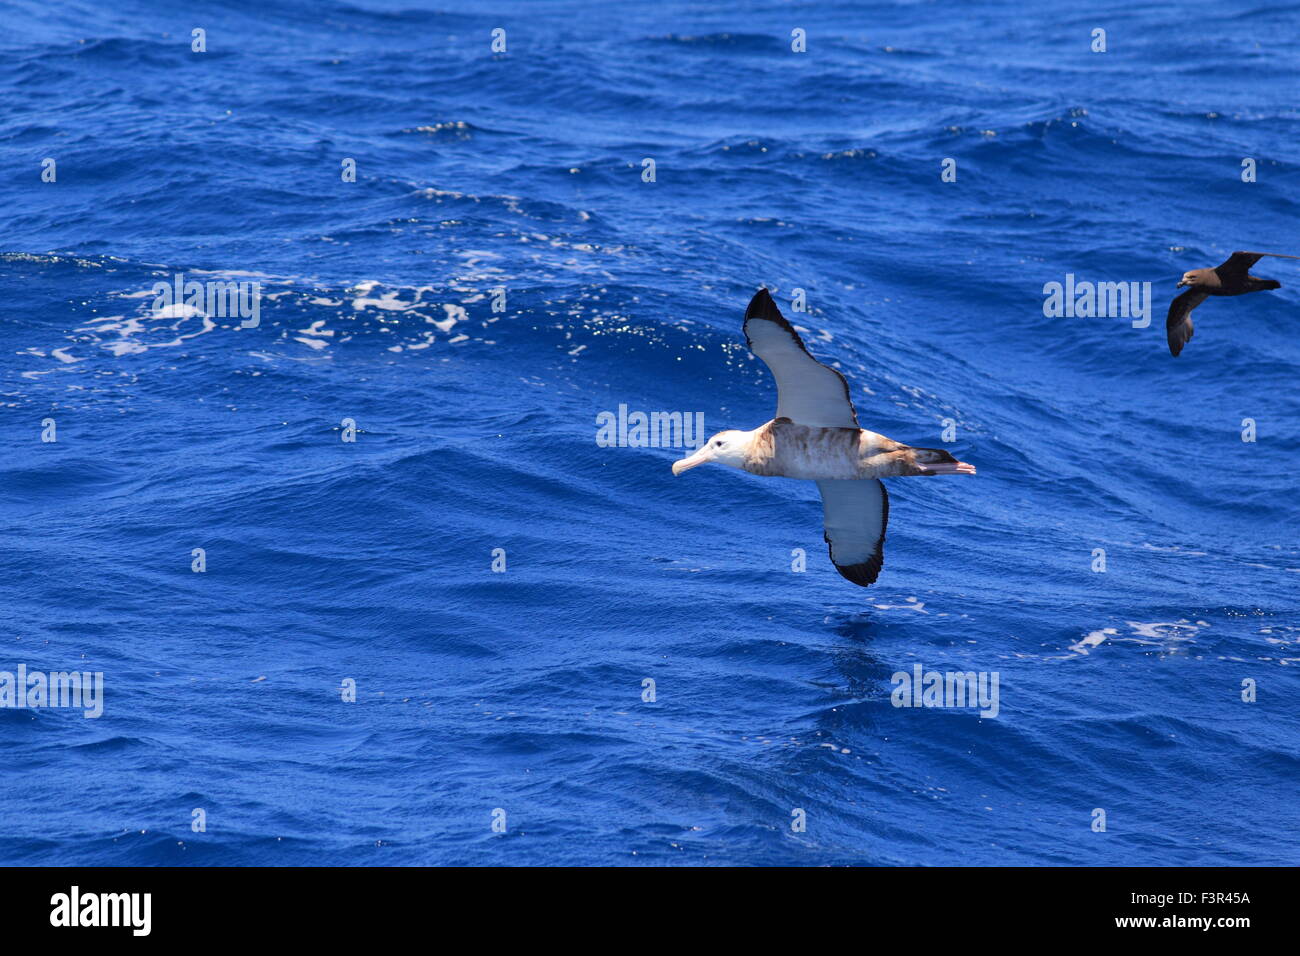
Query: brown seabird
[[1231, 278], [815, 436]]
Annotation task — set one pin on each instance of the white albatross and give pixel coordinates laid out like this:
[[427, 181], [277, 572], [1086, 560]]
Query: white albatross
[[815, 436]]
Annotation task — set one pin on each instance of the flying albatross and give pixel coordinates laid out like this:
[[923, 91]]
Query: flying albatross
[[1230, 278], [815, 436]]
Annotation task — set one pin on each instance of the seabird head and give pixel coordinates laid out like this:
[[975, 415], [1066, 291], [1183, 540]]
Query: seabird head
[[1191, 278], [727, 448]]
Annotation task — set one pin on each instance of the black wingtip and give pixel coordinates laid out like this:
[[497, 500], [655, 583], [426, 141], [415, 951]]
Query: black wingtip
[[762, 307], [863, 575]]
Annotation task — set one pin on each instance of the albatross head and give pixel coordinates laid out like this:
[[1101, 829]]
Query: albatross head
[[727, 448], [1190, 278]]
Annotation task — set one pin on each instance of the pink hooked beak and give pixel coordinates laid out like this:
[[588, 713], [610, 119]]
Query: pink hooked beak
[[690, 461]]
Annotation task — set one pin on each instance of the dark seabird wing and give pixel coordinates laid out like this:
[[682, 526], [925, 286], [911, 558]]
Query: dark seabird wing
[[856, 515], [1237, 265], [807, 392], [1178, 324]]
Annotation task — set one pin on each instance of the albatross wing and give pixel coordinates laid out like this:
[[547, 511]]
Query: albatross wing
[[1178, 324], [807, 392], [856, 515]]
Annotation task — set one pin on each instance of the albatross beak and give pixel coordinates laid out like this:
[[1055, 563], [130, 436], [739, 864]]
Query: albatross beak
[[690, 461], [1181, 283]]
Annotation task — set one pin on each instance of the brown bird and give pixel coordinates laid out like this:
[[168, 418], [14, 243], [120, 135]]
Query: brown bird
[[1230, 278]]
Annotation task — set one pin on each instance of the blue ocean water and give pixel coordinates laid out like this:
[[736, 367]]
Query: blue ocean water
[[371, 560]]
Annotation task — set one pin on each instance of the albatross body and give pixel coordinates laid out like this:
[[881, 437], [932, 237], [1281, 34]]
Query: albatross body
[[786, 449], [815, 436]]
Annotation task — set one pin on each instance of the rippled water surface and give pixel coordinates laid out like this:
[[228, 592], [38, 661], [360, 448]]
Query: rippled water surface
[[371, 560]]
